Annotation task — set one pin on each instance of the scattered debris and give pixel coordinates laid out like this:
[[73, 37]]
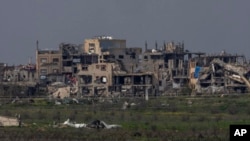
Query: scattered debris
[[75, 125], [101, 124], [96, 124], [75, 100], [127, 105], [16, 100], [110, 126], [58, 103]]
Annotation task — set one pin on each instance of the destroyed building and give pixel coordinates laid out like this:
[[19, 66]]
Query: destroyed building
[[135, 73], [223, 73], [169, 66], [94, 79], [70, 57], [114, 70], [22, 73], [104, 66], [18, 80]]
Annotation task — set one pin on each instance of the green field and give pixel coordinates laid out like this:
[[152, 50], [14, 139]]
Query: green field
[[162, 118]]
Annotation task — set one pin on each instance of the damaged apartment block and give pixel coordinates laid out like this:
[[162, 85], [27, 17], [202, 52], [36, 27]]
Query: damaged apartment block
[[223, 73], [113, 72], [104, 66]]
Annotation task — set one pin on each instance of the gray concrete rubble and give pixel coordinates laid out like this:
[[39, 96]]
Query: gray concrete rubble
[[222, 77]]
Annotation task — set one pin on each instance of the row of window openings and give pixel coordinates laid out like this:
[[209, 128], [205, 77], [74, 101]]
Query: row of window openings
[[101, 67], [121, 57], [152, 57], [44, 71], [98, 79], [45, 60]]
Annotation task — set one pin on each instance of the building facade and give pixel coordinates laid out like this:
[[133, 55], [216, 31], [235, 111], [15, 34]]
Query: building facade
[[49, 65]]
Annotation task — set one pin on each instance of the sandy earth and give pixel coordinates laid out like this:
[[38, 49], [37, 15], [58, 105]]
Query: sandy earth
[[8, 121]]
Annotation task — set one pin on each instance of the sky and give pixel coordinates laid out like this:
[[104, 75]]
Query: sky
[[209, 26]]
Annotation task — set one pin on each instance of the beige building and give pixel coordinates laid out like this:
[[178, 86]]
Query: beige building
[[95, 79], [48, 62], [99, 45]]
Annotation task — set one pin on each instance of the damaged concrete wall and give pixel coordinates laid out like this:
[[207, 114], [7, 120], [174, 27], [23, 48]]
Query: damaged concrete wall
[[127, 58], [95, 79]]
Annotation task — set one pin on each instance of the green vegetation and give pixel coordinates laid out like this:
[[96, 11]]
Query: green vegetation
[[163, 118]]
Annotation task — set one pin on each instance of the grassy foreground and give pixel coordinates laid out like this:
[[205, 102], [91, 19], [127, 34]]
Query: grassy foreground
[[164, 118]]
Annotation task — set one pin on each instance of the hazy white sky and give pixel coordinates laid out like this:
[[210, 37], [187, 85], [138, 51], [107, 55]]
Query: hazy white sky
[[207, 26]]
